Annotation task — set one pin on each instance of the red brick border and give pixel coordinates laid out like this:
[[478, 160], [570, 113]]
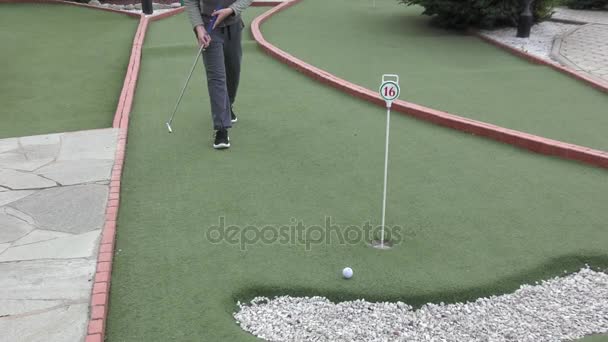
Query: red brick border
[[537, 60], [101, 282], [100, 293], [516, 138]]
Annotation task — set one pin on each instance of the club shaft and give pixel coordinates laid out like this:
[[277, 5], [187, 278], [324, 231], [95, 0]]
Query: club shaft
[[388, 125], [179, 99], [181, 95]]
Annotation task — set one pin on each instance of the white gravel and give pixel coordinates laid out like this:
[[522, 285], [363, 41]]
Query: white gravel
[[541, 38], [559, 309]]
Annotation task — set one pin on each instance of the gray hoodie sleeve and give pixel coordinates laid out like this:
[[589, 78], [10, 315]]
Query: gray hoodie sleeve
[[193, 7], [240, 5]]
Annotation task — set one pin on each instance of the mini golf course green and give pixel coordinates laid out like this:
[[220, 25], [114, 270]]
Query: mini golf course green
[[62, 67], [441, 69], [479, 217]]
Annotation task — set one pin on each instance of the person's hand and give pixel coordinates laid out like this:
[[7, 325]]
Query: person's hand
[[204, 39], [221, 15]]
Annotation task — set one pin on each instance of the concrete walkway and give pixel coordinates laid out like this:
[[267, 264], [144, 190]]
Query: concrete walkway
[[581, 16], [584, 48], [53, 196]]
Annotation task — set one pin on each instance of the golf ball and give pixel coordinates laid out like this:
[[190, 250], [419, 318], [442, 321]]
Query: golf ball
[[347, 272]]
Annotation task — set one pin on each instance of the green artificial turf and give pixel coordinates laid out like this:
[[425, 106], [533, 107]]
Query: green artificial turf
[[478, 217], [595, 338], [441, 69], [62, 67]]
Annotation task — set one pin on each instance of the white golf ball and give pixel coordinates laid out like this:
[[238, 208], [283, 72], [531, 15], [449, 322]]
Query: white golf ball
[[347, 272]]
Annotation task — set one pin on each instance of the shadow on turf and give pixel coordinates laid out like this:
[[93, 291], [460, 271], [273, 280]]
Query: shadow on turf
[[554, 267]]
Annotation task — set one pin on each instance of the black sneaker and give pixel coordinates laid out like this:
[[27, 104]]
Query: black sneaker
[[233, 117], [221, 139]]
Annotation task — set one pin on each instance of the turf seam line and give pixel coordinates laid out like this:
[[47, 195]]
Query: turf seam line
[[516, 138]]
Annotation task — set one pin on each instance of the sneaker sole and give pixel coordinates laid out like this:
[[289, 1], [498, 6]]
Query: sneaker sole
[[221, 146], [234, 120]]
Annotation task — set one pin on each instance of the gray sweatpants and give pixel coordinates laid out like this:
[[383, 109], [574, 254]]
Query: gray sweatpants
[[222, 60]]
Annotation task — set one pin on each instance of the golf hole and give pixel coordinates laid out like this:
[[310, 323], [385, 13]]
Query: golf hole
[[376, 244]]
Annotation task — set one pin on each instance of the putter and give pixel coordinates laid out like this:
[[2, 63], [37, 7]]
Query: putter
[[179, 99]]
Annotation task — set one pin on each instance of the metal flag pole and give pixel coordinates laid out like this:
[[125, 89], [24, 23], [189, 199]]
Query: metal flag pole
[[388, 125], [389, 91]]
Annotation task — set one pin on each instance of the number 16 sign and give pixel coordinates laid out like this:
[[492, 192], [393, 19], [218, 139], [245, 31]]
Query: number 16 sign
[[389, 90]]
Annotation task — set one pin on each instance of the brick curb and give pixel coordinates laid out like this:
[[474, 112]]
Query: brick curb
[[101, 287], [98, 307], [516, 138], [100, 293]]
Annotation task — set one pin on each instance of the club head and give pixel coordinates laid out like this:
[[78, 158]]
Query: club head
[[169, 127]]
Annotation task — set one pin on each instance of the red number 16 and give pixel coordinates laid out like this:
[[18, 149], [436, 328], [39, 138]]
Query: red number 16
[[389, 91]]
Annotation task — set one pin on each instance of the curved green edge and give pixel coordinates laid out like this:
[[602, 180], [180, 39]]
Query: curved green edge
[[440, 69]]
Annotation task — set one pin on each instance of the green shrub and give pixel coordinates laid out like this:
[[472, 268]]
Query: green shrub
[[587, 4], [480, 13]]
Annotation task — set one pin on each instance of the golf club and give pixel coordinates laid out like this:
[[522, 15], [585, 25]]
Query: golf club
[[179, 99]]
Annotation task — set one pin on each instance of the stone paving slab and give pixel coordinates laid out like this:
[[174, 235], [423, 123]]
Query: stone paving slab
[[39, 235], [16, 307], [20, 162], [581, 16], [95, 144], [67, 279], [40, 152], [68, 247], [72, 172], [7, 197], [68, 209], [585, 49], [61, 324], [20, 180], [9, 144], [48, 139], [13, 228], [20, 215], [53, 194]]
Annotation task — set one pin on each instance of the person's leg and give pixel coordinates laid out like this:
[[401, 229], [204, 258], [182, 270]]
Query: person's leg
[[233, 55], [213, 58]]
